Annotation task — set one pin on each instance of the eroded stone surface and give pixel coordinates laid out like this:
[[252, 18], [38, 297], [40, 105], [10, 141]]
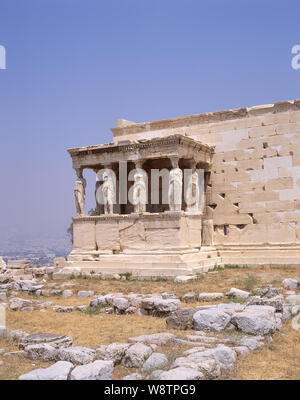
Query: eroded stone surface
[[155, 361], [57, 371], [136, 355], [181, 373], [256, 321], [181, 319], [212, 320], [155, 338], [52, 339], [99, 370], [75, 354]]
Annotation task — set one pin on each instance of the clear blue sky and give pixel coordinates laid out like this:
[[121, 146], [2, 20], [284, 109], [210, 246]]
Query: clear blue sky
[[75, 66]]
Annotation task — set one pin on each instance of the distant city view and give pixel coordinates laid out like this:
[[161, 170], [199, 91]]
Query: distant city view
[[39, 251]]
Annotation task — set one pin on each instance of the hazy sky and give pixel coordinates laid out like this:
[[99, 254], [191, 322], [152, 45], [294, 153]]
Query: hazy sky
[[75, 66]]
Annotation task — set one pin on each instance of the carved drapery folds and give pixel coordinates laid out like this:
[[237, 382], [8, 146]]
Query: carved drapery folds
[[139, 190], [175, 186], [79, 193]]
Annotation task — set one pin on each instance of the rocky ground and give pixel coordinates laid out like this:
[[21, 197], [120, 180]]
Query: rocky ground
[[232, 323]]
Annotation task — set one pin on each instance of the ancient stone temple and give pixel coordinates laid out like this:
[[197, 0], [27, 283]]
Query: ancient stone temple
[[182, 195]]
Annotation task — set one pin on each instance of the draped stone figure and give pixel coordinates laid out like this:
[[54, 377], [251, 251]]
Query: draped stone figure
[[139, 193], [79, 192], [192, 194], [175, 187], [108, 192]]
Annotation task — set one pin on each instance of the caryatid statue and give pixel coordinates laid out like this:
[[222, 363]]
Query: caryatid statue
[[139, 193], [108, 192], [192, 193], [79, 192], [175, 186]]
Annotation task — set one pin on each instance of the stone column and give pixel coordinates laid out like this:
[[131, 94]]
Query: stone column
[[139, 191], [192, 189], [175, 186], [99, 210], [79, 192], [108, 189]]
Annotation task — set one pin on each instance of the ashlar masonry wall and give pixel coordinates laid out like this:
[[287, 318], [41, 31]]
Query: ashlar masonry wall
[[253, 193]]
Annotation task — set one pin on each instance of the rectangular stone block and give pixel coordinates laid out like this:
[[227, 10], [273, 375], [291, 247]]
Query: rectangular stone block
[[287, 128], [280, 184], [240, 176], [253, 143], [296, 159], [273, 119], [192, 234], [249, 164], [280, 233], [265, 196], [233, 219], [156, 239], [250, 186], [266, 217], [132, 235], [229, 155], [253, 234], [254, 122], [297, 204], [295, 116], [270, 152], [285, 150], [262, 131], [278, 140], [277, 162], [250, 207], [107, 234], [84, 234], [276, 206]]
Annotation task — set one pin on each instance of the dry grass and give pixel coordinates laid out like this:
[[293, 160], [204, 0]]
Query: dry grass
[[87, 330], [278, 360], [14, 366], [216, 281]]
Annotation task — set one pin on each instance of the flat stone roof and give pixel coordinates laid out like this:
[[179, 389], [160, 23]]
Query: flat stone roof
[[127, 127], [139, 144]]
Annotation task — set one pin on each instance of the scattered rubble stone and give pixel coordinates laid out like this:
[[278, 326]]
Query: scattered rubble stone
[[211, 319], [155, 338], [256, 320], [67, 293], [3, 332], [210, 296], [97, 371], [290, 283], [133, 377], [42, 351], [57, 371], [189, 297], [293, 299], [156, 360], [85, 293], [136, 355], [114, 352], [181, 373], [181, 319], [238, 293], [184, 278], [52, 339], [75, 354], [63, 308]]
